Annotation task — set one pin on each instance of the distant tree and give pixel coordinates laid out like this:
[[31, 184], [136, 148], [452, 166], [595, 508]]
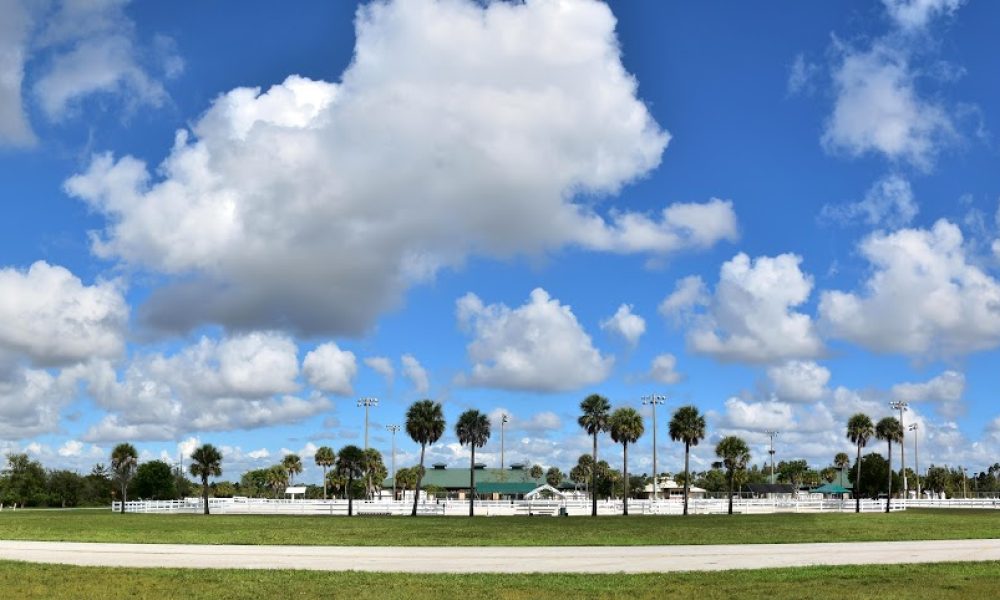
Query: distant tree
[[582, 473], [375, 471], [596, 412], [325, 458], [350, 464], [936, 479], [859, 430], [828, 474], [424, 425], [875, 470], [473, 430], [841, 461], [97, 486], [154, 480], [292, 464], [553, 477], [124, 462], [536, 471], [22, 481], [206, 462], [277, 479], [626, 428], [792, 471], [889, 430], [65, 488], [688, 426], [254, 483], [406, 478], [735, 455], [224, 489]]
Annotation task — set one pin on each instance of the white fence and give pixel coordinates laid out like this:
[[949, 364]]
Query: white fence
[[508, 507]]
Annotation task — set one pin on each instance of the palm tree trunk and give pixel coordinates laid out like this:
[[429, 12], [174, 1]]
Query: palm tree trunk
[[732, 477], [625, 479], [888, 497], [204, 490], [420, 476], [687, 473], [124, 486], [324, 482], [350, 496], [472, 480], [593, 481], [857, 484]]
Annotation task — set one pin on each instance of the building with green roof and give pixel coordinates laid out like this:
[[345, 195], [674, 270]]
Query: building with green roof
[[491, 484]]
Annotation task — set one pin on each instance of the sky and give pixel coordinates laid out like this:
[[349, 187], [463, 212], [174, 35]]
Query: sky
[[227, 222]]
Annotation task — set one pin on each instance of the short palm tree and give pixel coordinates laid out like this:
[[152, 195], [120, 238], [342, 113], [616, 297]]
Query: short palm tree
[[277, 479], [350, 464], [626, 427], [596, 411], [473, 428], [859, 431], [889, 430], [735, 455], [688, 426], [124, 462], [424, 425], [375, 471], [841, 461], [292, 465], [325, 459], [206, 462]]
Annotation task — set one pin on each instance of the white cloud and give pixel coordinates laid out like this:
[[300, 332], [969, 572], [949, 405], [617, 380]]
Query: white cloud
[[757, 416], [71, 448], [416, 373], [924, 297], [188, 446], [889, 202], [626, 324], [751, 316], [946, 389], [453, 132], [802, 75], [51, 317], [330, 369], [664, 369], [259, 454], [31, 400], [689, 293], [15, 27], [538, 346], [798, 380], [911, 15], [382, 366]]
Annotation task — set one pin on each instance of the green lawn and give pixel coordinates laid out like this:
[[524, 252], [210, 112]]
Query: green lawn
[[939, 580], [104, 526]]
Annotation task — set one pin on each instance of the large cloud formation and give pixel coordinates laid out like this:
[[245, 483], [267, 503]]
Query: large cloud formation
[[458, 129]]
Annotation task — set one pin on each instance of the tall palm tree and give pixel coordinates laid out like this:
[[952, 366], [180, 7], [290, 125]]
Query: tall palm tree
[[206, 462], [293, 465], [889, 430], [325, 459], [859, 431], [735, 455], [596, 411], [424, 425], [688, 426], [626, 427], [350, 464], [124, 462], [473, 428]]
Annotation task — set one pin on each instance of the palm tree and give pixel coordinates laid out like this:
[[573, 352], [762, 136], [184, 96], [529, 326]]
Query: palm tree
[[375, 471], [626, 428], [277, 479], [859, 431], [473, 428], [688, 426], [124, 462], [325, 459], [841, 461], [293, 465], [424, 425], [596, 410], [206, 462], [889, 430], [350, 464], [735, 455]]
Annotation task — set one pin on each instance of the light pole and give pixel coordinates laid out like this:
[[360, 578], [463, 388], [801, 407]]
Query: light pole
[[652, 400], [393, 429], [901, 407], [771, 435], [916, 457], [503, 421], [367, 403]]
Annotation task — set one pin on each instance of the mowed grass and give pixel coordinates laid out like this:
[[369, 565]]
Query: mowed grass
[[936, 580], [105, 526]]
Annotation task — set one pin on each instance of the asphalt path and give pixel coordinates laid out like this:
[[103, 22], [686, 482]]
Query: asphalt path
[[572, 559]]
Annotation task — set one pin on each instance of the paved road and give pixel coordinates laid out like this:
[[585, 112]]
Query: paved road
[[589, 559]]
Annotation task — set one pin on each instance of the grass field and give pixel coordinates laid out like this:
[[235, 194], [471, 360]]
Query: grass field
[[104, 526], [938, 580]]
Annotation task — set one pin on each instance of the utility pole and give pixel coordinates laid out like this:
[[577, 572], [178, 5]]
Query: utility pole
[[652, 400], [367, 403], [916, 457], [901, 407], [503, 421], [771, 435], [393, 429]]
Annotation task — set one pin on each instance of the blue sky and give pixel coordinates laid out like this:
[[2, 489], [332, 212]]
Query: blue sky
[[225, 224]]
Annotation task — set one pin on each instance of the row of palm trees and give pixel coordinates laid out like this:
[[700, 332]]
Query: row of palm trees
[[206, 461], [860, 430]]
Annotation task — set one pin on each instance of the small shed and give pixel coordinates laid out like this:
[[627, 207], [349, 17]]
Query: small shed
[[292, 491]]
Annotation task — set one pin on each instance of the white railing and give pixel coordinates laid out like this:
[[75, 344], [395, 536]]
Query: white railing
[[452, 507]]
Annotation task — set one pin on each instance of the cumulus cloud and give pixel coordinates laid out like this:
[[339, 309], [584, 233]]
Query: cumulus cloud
[[14, 32], [889, 203], [757, 416], [538, 346], [31, 401], [924, 297], [911, 15], [626, 324], [798, 380], [330, 369], [750, 317], [664, 369], [802, 75], [946, 389], [453, 132], [415, 372], [49, 316], [383, 366]]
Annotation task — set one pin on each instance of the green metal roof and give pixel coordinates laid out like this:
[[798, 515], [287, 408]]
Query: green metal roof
[[458, 478], [505, 488], [831, 488]]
